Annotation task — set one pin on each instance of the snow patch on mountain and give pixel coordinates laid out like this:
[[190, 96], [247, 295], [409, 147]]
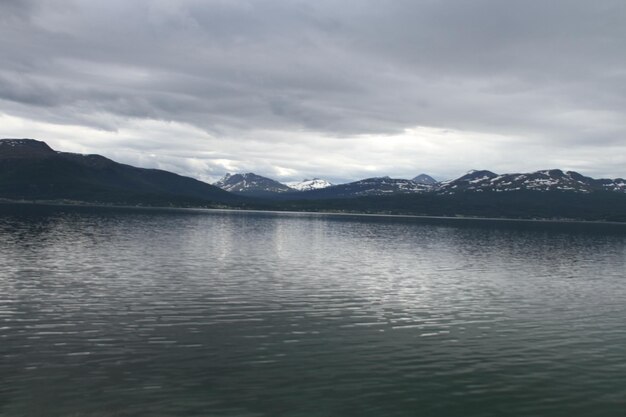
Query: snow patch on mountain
[[307, 185]]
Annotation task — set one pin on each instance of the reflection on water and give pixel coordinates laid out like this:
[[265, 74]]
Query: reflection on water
[[109, 312]]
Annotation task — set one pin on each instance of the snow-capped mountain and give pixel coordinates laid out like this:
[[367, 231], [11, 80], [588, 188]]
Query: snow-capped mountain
[[307, 185], [546, 180], [473, 181], [251, 184], [467, 181], [368, 187], [424, 179]]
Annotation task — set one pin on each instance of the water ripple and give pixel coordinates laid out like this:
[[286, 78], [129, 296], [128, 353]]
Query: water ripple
[[168, 313]]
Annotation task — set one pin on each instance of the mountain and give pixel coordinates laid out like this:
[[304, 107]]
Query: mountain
[[308, 185], [424, 179], [378, 186], [31, 170], [466, 182], [251, 184], [543, 181]]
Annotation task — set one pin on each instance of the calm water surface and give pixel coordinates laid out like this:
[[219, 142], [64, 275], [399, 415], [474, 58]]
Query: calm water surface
[[110, 312]]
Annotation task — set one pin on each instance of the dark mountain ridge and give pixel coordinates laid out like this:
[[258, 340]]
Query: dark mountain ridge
[[31, 170]]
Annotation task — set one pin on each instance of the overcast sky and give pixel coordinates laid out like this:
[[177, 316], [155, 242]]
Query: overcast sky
[[340, 89]]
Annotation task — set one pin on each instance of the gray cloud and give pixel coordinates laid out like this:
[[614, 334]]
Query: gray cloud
[[278, 84]]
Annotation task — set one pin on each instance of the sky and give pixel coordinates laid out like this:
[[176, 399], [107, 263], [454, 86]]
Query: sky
[[340, 90]]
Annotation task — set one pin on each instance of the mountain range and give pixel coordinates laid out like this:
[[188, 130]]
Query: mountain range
[[547, 180], [251, 184], [30, 170], [473, 181]]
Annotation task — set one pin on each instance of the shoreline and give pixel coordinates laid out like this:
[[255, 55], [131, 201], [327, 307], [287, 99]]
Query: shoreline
[[328, 213]]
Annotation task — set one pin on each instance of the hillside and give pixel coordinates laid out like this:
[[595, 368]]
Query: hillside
[[31, 170]]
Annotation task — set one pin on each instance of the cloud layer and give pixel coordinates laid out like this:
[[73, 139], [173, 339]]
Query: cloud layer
[[336, 89]]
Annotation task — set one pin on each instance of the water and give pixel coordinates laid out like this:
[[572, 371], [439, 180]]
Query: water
[[109, 312]]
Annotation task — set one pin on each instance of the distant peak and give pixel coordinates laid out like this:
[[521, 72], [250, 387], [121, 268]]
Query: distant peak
[[551, 172], [425, 179], [247, 175], [480, 173], [238, 176], [250, 182]]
